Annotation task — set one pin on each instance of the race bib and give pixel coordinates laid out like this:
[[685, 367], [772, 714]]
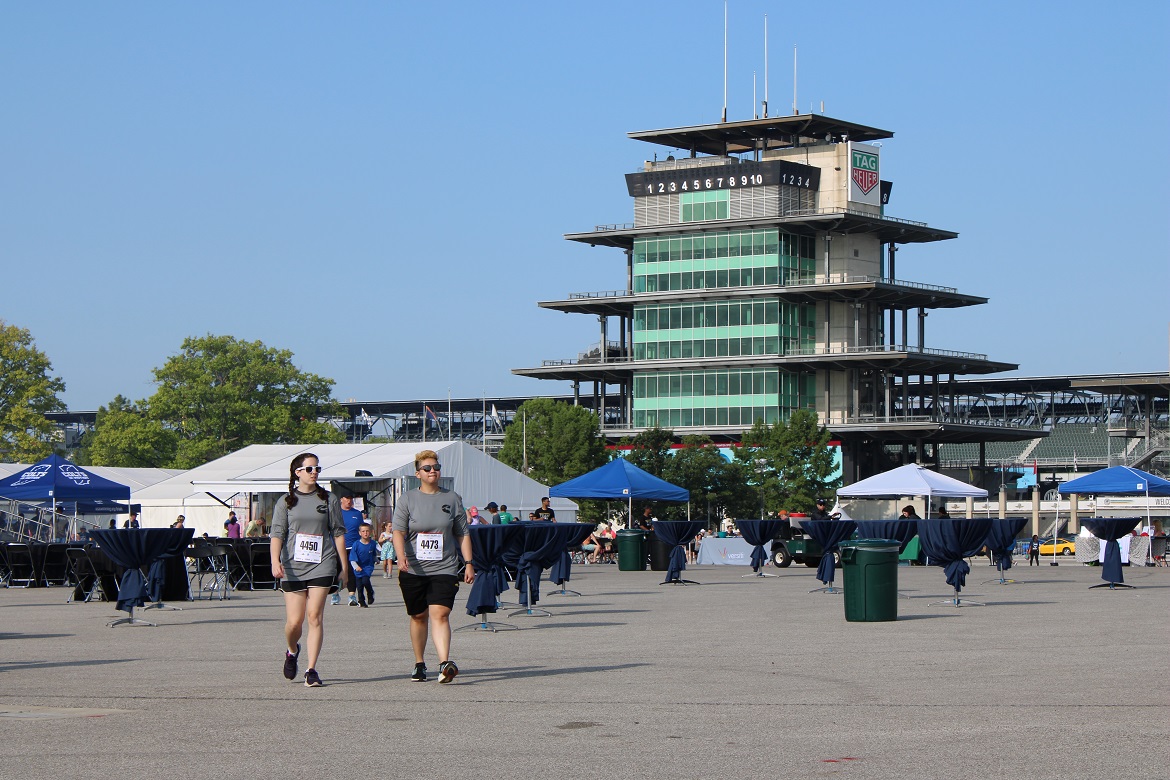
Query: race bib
[[428, 547], [308, 548]]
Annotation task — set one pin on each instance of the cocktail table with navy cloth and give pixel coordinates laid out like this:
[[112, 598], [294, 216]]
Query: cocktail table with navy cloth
[[676, 533], [1109, 530], [135, 549]]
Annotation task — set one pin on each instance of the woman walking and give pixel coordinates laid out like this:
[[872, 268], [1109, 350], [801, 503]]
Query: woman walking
[[428, 523], [308, 551], [1034, 550]]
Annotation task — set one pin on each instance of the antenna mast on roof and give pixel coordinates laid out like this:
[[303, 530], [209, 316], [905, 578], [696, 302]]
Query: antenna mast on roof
[[795, 111], [724, 60], [765, 66]]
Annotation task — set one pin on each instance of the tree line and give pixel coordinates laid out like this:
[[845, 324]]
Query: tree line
[[217, 395], [786, 465]]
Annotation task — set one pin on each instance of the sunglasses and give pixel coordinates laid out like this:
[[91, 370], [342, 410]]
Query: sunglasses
[[310, 469], [429, 468]]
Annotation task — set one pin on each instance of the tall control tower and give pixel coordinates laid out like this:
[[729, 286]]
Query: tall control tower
[[760, 278]]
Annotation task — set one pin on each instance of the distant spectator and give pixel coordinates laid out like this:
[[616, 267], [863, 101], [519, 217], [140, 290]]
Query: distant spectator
[[909, 513], [545, 512], [132, 522], [179, 522], [254, 529], [505, 516], [231, 527]]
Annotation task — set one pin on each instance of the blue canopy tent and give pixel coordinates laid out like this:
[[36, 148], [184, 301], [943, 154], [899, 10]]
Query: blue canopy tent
[[55, 478], [1119, 481], [56, 481], [620, 479]]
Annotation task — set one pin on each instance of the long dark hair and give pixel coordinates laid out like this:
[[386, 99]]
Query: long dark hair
[[291, 499]]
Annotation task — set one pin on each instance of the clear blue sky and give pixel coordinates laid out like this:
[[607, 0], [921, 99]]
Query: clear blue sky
[[383, 187]]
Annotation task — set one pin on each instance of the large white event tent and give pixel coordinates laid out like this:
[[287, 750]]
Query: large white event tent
[[911, 480], [253, 478]]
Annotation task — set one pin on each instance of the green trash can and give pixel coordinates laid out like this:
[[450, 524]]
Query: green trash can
[[631, 550], [870, 568]]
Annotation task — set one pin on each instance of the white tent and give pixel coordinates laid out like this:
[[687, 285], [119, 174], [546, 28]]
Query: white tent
[[910, 480], [256, 475]]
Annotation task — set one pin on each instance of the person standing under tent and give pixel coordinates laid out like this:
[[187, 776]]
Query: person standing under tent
[[429, 522], [308, 555]]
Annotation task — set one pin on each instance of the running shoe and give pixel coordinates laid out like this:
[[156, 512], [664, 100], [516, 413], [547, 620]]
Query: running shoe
[[312, 679], [362, 604], [420, 673], [371, 598], [353, 601], [290, 663], [447, 671], [335, 599]]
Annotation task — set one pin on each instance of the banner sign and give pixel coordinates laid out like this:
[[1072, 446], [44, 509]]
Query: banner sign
[[864, 174]]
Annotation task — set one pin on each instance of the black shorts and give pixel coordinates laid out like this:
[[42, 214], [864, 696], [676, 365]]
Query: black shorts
[[420, 592], [303, 585]]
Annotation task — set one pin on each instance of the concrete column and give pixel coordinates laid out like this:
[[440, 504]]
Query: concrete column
[[921, 328], [576, 393], [604, 336], [970, 507], [905, 328], [1074, 522], [1002, 501], [1035, 510]]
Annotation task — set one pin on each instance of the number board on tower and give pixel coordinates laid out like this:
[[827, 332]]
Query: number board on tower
[[724, 177]]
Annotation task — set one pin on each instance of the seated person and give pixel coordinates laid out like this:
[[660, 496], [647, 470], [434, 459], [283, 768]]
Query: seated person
[[590, 547]]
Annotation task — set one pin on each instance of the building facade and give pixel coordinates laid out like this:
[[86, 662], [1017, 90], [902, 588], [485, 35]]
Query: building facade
[[760, 278]]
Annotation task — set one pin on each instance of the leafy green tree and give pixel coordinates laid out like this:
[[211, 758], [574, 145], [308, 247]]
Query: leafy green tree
[[27, 393], [699, 467], [125, 435], [555, 440], [220, 394], [791, 462], [650, 450]]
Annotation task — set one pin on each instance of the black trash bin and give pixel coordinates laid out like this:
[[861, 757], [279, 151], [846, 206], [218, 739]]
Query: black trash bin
[[870, 568], [631, 550], [659, 554]]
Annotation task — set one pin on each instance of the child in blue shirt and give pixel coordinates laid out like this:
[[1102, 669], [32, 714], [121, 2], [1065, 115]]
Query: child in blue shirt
[[363, 557]]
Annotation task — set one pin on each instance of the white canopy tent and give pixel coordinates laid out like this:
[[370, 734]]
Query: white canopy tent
[[205, 494], [911, 480]]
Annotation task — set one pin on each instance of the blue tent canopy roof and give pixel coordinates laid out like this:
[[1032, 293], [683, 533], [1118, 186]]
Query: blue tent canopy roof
[[1118, 481], [620, 479], [55, 478]]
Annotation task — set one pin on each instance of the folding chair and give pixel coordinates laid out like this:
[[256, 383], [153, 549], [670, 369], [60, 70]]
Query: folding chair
[[55, 569], [204, 561], [5, 572], [89, 582], [239, 570], [20, 565], [260, 564]]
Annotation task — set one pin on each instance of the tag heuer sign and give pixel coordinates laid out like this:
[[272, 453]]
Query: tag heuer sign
[[865, 170], [864, 174]]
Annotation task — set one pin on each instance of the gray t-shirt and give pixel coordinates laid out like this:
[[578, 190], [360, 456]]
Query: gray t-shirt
[[440, 518], [312, 518]]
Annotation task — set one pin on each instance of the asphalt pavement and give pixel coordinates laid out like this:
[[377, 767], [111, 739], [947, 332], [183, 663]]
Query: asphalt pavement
[[736, 677]]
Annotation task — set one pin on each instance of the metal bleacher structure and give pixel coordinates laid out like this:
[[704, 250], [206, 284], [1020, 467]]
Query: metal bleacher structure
[[1085, 423]]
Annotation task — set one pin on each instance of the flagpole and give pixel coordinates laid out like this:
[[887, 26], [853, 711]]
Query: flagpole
[[424, 425], [450, 436]]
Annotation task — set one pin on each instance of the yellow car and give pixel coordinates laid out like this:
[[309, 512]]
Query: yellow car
[[1061, 547]]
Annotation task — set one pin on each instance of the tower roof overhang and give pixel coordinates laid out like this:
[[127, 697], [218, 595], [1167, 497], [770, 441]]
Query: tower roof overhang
[[885, 229], [778, 132]]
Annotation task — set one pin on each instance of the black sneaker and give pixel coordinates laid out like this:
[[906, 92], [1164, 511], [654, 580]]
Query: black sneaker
[[420, 673], [362, 604], [447, 671], [353, 602], [371, 599], [290, 663], [312, 679]]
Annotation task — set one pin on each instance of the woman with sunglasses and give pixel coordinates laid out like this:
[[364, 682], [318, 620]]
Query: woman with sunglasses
[[428, 523], [308, 546]]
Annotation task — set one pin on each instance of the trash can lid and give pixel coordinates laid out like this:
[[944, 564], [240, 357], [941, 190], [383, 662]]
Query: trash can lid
[[872, 544]]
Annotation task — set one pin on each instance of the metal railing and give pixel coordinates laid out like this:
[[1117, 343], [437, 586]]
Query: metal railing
[[797, 352], [789, 281], [818, 212]]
